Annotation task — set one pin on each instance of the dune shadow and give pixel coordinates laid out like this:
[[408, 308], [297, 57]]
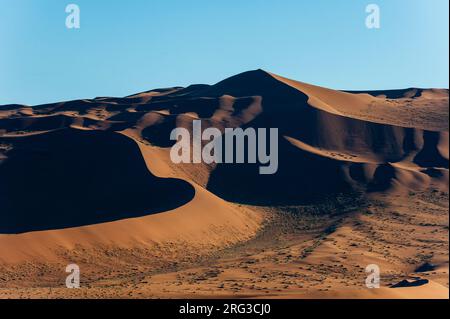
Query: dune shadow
[[71, 178], [302, 178]]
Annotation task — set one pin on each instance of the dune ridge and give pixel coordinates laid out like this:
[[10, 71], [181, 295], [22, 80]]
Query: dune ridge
[[339, 132], [97, 173]]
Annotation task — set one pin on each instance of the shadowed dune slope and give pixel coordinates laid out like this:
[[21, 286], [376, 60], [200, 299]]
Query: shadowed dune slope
[[327, 147], [329, 141], [362, 179], [69, 178]]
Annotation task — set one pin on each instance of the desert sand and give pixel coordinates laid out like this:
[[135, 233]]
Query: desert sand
[[363, 179]]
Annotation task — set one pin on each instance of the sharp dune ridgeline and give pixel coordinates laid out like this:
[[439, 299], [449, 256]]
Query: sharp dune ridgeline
[[363, 178]]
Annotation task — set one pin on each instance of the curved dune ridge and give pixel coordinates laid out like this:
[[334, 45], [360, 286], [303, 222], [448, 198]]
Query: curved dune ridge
[[382, 139], [92, 161], [68, 178]]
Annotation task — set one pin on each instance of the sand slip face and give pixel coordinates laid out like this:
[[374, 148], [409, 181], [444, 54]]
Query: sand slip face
[[205, 223], [68, 157], [93, 177], [96, 188], [413, 108]]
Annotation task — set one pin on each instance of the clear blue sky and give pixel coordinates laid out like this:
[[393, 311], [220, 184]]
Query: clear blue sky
[[125, 47]]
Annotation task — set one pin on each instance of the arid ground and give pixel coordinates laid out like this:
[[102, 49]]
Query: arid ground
[[363, 179]]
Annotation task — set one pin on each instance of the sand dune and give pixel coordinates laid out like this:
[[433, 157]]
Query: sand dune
[[68, 178], [94, 175]]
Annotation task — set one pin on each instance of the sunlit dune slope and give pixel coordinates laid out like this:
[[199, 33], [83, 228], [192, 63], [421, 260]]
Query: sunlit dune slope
[[98, 171]]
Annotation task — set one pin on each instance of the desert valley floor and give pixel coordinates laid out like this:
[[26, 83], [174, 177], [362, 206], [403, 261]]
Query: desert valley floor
[[362, 179]]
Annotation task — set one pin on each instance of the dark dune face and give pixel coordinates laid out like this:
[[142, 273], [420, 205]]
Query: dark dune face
[[329, 142], [362, 178], [430, 156], [70, 178], [296, 181]]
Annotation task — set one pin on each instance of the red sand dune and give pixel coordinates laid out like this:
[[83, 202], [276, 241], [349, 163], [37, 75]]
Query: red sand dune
[[97, 171]]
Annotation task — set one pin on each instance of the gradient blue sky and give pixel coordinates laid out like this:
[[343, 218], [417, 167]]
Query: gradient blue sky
[[125, 47]]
